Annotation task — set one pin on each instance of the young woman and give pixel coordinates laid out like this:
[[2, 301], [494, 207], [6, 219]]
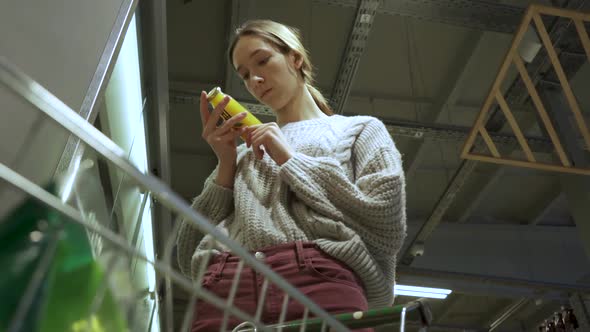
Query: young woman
[[320, 198]]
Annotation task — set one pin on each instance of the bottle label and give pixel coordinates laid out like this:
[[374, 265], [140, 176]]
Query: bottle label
[[226, 116]]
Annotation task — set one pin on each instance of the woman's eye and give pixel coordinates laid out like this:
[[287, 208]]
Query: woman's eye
[[246, 76], [263, 61]]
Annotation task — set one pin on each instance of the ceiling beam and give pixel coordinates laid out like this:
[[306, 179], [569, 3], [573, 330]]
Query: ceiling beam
[[576, 188], [545, 204], [239, 12], [497, 174], [481, 195], [434, 132], [459, 178], [486, 285], [506, 251], [506, 312], [449, 304], [355, 48], [193, 87], [518, 95], [450, 93], [414, 130], [477, 14]]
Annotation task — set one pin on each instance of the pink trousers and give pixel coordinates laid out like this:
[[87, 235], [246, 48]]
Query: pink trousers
[[322, 278]]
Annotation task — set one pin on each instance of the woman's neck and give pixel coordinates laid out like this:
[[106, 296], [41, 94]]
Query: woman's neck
[[300, 107]]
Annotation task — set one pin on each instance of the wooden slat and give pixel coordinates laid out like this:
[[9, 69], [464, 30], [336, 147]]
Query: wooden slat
[[541, 110], [567, 90], [499, 78], [583, 36], [520, 163], [478, 123], [514, 125], [547, 10], [489, 142]]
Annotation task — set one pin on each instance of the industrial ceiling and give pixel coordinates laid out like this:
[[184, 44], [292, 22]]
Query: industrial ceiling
[[504, 239]]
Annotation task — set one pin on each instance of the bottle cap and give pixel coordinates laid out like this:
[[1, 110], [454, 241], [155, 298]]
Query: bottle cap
[[213, 93]]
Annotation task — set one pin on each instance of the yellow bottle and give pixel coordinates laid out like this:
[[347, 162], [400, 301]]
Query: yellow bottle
[[233, 108]]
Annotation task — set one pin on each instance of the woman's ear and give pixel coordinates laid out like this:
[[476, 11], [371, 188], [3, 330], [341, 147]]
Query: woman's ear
[[297, 59]]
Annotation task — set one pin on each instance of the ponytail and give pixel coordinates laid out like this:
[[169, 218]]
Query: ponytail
[[319, 99]]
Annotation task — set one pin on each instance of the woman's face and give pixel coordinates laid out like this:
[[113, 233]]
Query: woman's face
[[269, 75]]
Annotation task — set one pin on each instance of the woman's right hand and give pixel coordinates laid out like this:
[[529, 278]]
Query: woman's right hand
[[222, 139]]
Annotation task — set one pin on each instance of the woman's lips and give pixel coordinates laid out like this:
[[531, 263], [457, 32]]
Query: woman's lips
[[265, 93]]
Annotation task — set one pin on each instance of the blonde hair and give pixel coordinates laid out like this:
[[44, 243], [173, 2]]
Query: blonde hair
[[285, 39]]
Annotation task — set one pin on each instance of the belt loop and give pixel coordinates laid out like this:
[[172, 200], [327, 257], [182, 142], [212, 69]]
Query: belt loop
[[223, 260], [300, 254]]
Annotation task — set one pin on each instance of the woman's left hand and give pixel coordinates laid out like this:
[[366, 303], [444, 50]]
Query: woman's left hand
[[271, 137]]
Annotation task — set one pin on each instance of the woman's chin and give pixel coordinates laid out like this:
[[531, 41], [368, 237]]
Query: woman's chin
[[272, 105]]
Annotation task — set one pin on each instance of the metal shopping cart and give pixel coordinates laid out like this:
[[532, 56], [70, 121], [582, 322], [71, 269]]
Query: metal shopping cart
[[75, 271]]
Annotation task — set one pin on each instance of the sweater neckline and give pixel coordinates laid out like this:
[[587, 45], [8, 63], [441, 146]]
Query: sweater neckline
[[304, 123]]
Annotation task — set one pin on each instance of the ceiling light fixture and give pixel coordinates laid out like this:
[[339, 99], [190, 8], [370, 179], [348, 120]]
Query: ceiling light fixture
[[433, 293]]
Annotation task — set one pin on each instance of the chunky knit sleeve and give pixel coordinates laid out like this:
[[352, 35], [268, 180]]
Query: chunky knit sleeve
[[371, 201], [216, 203]]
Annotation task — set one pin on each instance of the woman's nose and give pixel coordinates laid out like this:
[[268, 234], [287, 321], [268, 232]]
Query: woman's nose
[[257, 79]]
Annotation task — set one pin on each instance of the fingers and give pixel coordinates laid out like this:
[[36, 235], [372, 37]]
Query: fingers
[[257, 140], [204, 109], [238, 132], [223, 143], [231, 135], [211, 124], [258, 150], [249, 131], [229, 124], [255, 135]]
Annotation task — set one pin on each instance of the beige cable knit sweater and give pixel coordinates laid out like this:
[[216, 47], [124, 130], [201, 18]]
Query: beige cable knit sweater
[[344, 189]]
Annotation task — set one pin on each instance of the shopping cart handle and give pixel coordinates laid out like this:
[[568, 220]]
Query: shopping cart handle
[[425, 312], [370, 318]]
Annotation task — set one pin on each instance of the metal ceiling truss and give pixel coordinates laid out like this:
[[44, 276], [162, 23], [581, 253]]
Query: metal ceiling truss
[[413, 130], [355, 47], [451, 302], [475, 14], [517, 94], [481, 195], [507, 312], [551, 104], [547, 204], [450, 92], [560, 33], [513, 57], [468, 166]]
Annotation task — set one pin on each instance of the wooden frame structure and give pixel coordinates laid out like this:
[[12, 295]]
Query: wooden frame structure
[[533, 13]]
